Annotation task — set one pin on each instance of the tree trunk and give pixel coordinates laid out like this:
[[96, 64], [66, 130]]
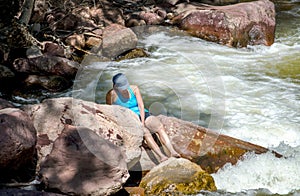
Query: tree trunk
[[26, 12]]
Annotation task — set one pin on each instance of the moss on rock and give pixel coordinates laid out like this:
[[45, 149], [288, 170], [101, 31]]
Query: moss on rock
[[177, 176]]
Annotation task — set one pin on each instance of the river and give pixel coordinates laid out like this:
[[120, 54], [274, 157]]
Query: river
[[250, 93]]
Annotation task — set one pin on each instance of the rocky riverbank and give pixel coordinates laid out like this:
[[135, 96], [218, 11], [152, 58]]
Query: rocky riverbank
[[67, 145], [42, 48], [72, 146]]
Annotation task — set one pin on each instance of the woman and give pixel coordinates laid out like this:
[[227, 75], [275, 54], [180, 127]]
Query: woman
[[129, 96]]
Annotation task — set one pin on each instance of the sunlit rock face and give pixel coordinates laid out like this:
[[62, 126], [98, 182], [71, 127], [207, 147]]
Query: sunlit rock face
[[207, 148], [238, 25], [177, 176]]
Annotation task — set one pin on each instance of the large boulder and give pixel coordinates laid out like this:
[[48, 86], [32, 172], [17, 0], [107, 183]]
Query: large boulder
[[117, 39], [46, 65], [237, 25], [113, 123], [205, 147], [83, 163], [177, 177], [17, 143]]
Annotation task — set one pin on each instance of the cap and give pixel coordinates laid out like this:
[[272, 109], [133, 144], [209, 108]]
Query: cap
[[120, 81]]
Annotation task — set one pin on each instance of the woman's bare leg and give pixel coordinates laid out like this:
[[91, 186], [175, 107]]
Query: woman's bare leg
[[152, 144], [155, 125]]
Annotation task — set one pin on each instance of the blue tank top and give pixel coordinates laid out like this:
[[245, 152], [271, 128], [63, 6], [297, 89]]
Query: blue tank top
[[130, 102]]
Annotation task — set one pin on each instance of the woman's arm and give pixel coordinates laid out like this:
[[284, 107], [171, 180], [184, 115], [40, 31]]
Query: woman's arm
[[140, 103], [109, 97]]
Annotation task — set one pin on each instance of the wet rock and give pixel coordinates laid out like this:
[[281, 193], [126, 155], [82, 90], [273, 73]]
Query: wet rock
[[116, 40], [94, 166], [237, 25], [135, 53], [17, 142], [113, 123], [45, 65], [207, 148], [177, 176]]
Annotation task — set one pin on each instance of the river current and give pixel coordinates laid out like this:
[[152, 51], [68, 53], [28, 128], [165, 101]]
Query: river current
[[250, 93]]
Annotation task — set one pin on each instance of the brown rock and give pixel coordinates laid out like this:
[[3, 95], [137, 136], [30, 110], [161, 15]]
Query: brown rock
[[17, 141], [100, 170], [135, 53], [117, 40], [151, 18], [235, 25], [45, 64], [177, 177], [209, 149], [53, 49]]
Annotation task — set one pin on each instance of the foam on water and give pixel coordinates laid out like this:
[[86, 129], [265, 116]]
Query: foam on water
[[265, 171]]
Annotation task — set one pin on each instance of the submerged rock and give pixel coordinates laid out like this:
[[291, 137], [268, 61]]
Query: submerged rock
[[177, 176], [135, 53]]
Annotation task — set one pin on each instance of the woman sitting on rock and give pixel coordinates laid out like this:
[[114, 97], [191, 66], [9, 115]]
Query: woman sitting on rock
[[129, 96]]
